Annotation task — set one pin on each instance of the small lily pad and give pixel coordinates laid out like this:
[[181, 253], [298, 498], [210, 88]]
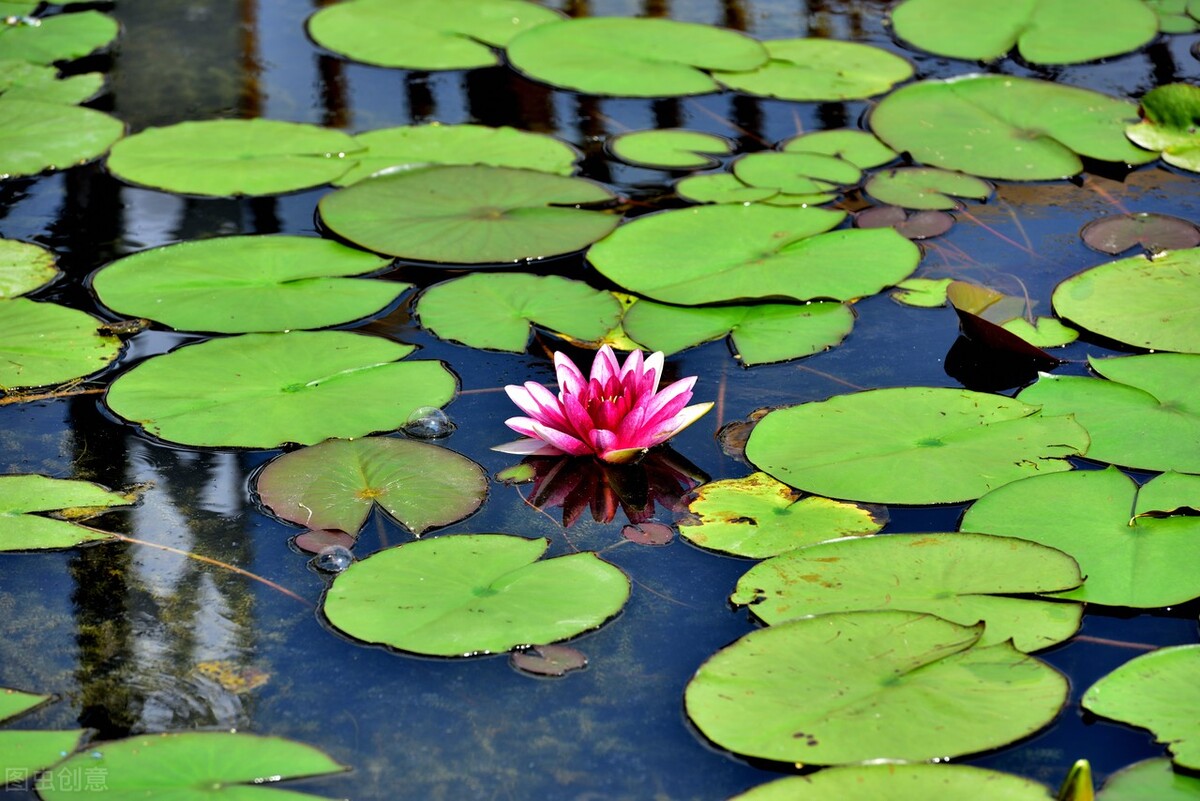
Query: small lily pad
[[923, 224], [820, 70], [670, 148], [22, 80], [999, 322], [1150, 780], [43, 344], [24, 267], [925, 293], [548, 660], [860, 148], [61, 37], [1118, 233], [925, 188], [22, 497], [1172, 114], [721, 187], [900, 783], [648, 533], [37, 136], [24, 753], [795, 173]]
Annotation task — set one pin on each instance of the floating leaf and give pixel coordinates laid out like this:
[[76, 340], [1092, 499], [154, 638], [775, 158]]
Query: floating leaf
[[336, 484], [670, 148], [1172, 113], [916, 225], [548, 660], [648, 533], [469, 214], [998, 126], [995, 321], [1044, 32], [469, 594], [758, 517], [498, 311], [860, 148], [191, 766], [964, 578], [37, 136], [61, 37], [795, 173], [1129, 558], [925, 293], [759, 334], [689, 256], [1158, 691], [24, 267], [264, 390], [1151, 780], [925, 188], [425, 34], [860, 686], [23, 495], [912, 444], [240, 284], [1117, 233], [1145, 415], [44, 343], [820, 69], [632, 57], [721, 188], [1043, 332], [22, 80], [1174, 16], [233, 157], [24, 753], [408, 146], [900, 783]]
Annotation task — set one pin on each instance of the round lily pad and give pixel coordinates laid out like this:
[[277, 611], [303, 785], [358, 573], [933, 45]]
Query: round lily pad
[[21, 496], [915, 225], [998, 126], [900, 783], [721, 187], [334, 485], [22, 752], [1117, 233], [925, 188], [632, 57], [1170, 125], [725, 253], [24, 267], [22, 80], [44, 343], [37, 136], [470, 594], [1044, 32], [425, 34], [60, 37], [233, 157], [795, 173], [912, 444], [1150, 303], [860, 148], [820, 70], [1137, 546], [858, 686], [1150, 780], [670, 148], [240, 284], [264, 390], [964, 578], [469, 214]]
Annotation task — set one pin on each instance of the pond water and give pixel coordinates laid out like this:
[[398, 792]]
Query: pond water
[[122, 632]]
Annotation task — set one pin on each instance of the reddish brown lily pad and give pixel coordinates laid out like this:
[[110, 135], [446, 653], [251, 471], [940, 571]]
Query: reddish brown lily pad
[[1117, 233], [648, 533], [548, 660]]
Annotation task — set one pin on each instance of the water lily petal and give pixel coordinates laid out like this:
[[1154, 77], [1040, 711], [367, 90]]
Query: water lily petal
[[578, 418], [528, 447], [605, 366], [570, 379], [537, 402], [682, 420], [622, 456], [564, 442], [654, 364], [669, 401]]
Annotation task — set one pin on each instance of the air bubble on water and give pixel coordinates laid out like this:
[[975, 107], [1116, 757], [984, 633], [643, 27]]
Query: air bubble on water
[[332, 559], [428, 422]]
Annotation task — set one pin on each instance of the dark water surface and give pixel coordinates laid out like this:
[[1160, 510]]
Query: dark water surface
[[118, 630]]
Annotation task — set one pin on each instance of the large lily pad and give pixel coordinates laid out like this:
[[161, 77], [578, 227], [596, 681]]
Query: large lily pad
[[998, 126], [912, 444], [670, 148], [1159, 691], [61, 37], [26, 81], [21, 496], [240, 284], [264, 390], [1150, 303], [632, 57], [1043, 31], [234, 157], [24, 753], [37, 136], [759, 334], [964, 578], [498, 311], [726, 253], [757, 517], [471, 594], [425, 34], [1151, 780], [858, 686], [900, 783], [469, 214], [1172, 113], [1137, 546], [1117, 233], [333, 486], [821, 69], [24, 267], [189, 766], [44, 343]]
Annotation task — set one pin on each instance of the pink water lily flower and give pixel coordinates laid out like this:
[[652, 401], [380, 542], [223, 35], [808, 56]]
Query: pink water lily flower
[[616, 414]]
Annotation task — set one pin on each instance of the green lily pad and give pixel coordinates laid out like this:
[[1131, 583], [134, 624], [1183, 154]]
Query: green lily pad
[[689, 257], [670, 148], [964, 578], [425, 34], [1044, 32], [758, 334], [37, 136], [24, 753], [1150, 303], [22, 80], [234, 157], [1151, 780], [498, 311], [21, 496], [264, 390], [1117, 233], [1158, 691], [189, 766], [470, 594], [860, 148], [795, 173], [857, 686], [62, 37], [1137, 546], [18, 8], [1145, 415], [998, 126], [820, 70], [1172, 113], [239, 284], [336, 484], [24, 267], [925, 188], [900, 783], [806, 199], [720, 187], [913, 445], [1043, 332], [43, 344], [925, 293], [469, 214], [408, 146], [632, 57], [758, 517]]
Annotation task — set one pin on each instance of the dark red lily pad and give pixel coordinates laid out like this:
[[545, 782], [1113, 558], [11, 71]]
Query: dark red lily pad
[[314, 540], [548, 660], [648, 533], [915, 225], [1117, 233]]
